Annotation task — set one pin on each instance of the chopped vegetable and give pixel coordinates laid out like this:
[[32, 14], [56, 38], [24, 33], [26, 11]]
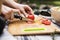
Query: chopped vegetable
[[46, 22], [34, 29], [31, 17]]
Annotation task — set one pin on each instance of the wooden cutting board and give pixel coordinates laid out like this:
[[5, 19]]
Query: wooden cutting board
[[57, 29], [22, 28]]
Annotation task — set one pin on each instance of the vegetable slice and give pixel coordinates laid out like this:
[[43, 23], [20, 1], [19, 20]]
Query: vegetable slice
[[34, 29]]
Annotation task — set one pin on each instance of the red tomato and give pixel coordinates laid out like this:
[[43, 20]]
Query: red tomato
[[46, 22], [31, 17], [45, 19]]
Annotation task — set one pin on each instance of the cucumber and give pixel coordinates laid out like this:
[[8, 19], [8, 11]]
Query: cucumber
[[35, 29]]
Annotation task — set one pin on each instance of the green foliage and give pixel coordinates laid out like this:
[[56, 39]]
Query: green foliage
[[47, 2]]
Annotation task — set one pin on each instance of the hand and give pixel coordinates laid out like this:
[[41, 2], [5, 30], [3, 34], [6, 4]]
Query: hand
[[9, 12], [25, 9]]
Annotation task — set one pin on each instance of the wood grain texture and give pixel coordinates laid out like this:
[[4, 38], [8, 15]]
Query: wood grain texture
[[17, 28]]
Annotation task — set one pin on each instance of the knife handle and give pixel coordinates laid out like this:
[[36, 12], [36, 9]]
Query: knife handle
[[17, 16]]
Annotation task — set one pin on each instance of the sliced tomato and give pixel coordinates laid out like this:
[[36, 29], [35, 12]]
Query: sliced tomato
[[31, 17], [46, 22], [45, 19]]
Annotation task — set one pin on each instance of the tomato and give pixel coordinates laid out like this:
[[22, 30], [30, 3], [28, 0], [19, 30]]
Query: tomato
[[31, 17], [45, 19], [46, 22]]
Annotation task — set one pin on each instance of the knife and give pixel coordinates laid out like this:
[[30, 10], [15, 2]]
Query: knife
[[20, 17]]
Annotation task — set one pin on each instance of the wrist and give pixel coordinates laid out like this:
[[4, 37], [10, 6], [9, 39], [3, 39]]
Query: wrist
[[14, 4], [17, 5]]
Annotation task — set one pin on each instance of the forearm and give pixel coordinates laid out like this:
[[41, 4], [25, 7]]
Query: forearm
[[10, 3]]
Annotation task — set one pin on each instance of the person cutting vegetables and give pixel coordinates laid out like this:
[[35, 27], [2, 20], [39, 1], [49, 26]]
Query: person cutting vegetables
[[8, 8], [15, 7]]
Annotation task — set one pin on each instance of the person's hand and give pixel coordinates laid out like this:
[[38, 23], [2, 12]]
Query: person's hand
[[9, 13], [25, 9]]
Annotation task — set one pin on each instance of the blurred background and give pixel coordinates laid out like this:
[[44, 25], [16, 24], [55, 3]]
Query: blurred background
[[38, 3], [42, 6]]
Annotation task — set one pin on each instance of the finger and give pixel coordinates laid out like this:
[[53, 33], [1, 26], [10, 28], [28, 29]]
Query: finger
[[6, 13], [29, 10], [24, 13], [12, 19], [13, 11], [12, 15], [17, 11]]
